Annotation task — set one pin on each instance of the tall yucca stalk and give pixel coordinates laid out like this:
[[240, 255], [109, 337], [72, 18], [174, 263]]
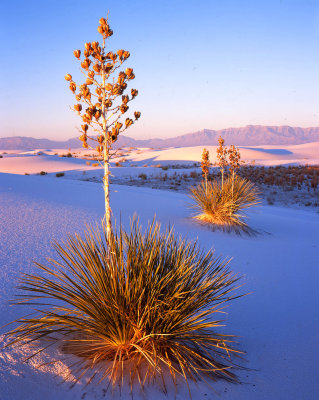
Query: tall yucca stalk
[[106, 106], [222, 157], [148, 306], [205, 165]]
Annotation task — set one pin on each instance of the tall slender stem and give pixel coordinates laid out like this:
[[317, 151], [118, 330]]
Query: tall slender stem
[[106, 158]]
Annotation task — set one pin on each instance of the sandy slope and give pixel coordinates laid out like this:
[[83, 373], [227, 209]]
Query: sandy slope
[[278, 322]]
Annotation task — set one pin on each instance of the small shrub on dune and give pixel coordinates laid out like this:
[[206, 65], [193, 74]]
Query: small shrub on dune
[[222, 205], [146, 306]]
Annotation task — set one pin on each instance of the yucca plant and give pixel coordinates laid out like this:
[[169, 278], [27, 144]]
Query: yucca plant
[[222, 204], [102, 110], [144, 306]]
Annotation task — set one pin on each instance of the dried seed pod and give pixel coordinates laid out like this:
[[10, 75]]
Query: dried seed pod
[[91, 74], [85, 119], [97, 67], [99, 149], [108, 103], [120, 53], [132, 76], [97, 105], [128, 122], [116, 89], [137, 115], [86, 53], [100, 139], [77, 53], [89, 81], [129, 71], [118, 125], [126, 55], [78, 107], [124, 86], [115, 131], [125, 99], [108, 87], [87, 46], [85, 127], [108, 67], [85, 145], [86, 63], [72, 87], [95, 45], [102, 21], [68, 77], [100, 29], [121, 78], [88, 117], [78, 97], [83, 138], [97, 114], [123, 108], [134, 92], [98, 91]]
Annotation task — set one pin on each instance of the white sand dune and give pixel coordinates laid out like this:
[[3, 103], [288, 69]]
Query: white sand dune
[[34, 164], [49, 161], [264, 155]]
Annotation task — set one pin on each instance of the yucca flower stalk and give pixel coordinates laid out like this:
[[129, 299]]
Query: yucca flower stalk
[[103, 110], [222, 157], [205, 165], [234, 161], [147, 309]]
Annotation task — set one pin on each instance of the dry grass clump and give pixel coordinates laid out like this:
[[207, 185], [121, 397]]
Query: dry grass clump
[[222, 205], [145, 307]]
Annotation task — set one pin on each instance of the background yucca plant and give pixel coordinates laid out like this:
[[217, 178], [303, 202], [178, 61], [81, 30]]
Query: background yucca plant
[[147, 308], [222, 204]]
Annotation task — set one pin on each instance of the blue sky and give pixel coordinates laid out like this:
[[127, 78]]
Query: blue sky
[[198, 64]]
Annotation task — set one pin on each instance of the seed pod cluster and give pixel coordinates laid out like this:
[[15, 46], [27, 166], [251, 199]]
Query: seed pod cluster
[[95, 63], [104, 28]]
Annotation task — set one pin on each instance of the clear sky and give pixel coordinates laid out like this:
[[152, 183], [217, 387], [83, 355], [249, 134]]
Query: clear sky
[[198, 63]]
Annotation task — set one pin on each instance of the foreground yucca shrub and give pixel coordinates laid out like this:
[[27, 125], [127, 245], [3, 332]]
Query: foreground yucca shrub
[[148, 306], [221, 204]]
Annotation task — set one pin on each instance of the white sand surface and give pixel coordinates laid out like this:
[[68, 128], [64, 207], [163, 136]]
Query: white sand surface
[[277, 322]]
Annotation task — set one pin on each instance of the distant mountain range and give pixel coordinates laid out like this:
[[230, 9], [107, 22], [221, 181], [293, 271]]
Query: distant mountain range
[[251, 135]]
